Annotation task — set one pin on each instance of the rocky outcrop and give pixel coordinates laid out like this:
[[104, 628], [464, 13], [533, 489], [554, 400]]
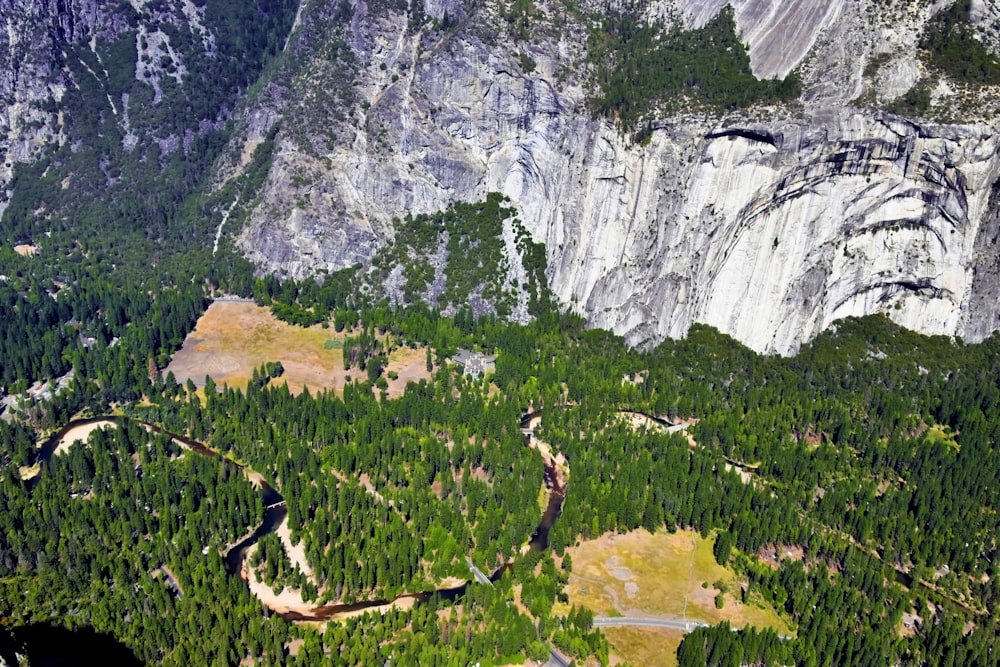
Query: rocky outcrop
[[34, 74], [113, 80], [775, 232], [769, 226], [778, 33], [30, 77]]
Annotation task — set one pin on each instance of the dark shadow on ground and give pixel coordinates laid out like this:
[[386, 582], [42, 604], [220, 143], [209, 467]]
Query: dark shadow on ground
[[53, 646]]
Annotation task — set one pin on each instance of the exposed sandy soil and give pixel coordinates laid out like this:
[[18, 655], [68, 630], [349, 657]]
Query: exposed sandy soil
[[744, 474], [909, 624], [80, 433], [29, 472], [296, 553], [26, 250], [545, 449], [289, 600], [255, 478], [636, 421], [167, 571], [294, 646], [232, 339], [285, 601], [410, 365]]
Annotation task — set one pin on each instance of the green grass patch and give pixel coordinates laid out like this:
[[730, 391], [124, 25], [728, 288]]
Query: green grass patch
[[942, 435]]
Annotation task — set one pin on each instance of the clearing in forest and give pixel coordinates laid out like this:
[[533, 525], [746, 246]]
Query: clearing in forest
[[410, 365], [660, 575], [26, 250], [232, 339]]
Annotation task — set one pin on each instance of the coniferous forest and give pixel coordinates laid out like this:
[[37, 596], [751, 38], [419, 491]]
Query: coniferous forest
[[872, 450], [872, 453]]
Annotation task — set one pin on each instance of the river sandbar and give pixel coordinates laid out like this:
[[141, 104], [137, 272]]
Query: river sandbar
[[81, 433]]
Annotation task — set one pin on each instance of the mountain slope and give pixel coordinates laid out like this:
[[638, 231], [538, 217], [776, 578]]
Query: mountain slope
[[862, 182], [116, 111], [769, 223]]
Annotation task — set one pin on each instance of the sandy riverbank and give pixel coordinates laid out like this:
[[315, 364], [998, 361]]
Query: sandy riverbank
[[290, 600], [81, 433], [296, 552]]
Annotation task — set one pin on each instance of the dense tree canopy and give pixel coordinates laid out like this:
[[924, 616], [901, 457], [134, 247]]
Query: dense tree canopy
[[872, 453]]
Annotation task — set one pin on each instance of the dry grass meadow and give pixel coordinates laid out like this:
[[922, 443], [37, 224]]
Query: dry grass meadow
[[232, 339], [664, 575]]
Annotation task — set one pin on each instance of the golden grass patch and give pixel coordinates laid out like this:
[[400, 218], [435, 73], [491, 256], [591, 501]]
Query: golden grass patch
[[232, 339], [410, 365], [651, 647], [665, 575], [26, 250]]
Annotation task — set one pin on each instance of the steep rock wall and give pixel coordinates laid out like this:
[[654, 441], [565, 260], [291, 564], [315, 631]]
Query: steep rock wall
[[778, 33], [768, 228], [31, 77], [775, 232]]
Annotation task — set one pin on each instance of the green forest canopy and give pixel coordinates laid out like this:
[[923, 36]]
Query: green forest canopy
[[646, 68]]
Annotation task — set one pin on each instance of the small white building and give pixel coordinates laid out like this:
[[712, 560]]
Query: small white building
[[475, 364]]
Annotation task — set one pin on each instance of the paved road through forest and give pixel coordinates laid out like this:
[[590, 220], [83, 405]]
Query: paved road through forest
[[646, 621]]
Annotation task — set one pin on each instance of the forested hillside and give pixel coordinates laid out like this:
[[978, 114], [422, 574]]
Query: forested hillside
[[871, 453], [850, 488]]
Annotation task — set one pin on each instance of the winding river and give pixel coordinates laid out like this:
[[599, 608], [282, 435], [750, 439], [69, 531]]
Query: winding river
[[539, 542], [276, 511]]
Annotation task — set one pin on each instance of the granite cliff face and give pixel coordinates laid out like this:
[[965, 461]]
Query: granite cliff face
[[100, 95], [769, 225], [780, 230], [31, 77]]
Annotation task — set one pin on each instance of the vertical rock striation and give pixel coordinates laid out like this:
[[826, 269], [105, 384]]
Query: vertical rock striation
[[769, 229]]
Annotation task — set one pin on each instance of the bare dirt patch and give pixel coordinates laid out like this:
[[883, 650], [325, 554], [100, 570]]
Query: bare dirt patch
[[255, 478], [29, 472], [410, 365], [744, 474], [296, 552], [290, 600], [26, 250], [232, 339], [81, 433], [558, 460], [294, 646], [287, 600], [773, 554], [637, 421], [910, 624]]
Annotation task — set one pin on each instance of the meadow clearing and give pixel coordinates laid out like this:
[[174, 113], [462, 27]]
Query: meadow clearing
[[671, 576], [233, 338]]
